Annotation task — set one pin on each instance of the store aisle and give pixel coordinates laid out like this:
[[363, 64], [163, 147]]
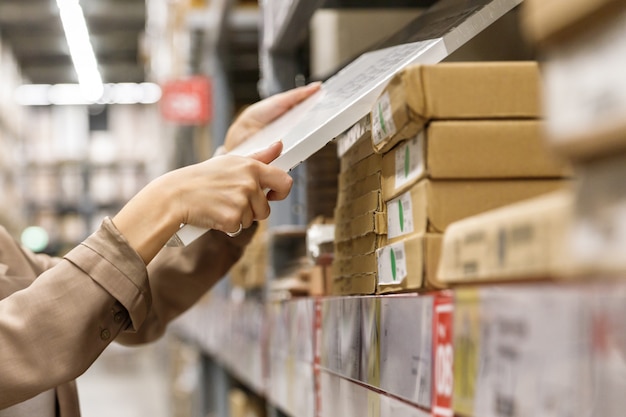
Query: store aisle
[[127, 382]]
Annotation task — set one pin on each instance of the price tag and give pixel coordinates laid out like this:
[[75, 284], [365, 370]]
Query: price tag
[[443, 355]]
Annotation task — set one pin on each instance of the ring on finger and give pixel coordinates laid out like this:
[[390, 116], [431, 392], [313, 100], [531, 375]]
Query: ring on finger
[[237, 233]]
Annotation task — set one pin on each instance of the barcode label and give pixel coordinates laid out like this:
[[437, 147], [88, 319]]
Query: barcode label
[[392, 264], [383, 126], [409, 161], [400, 216]]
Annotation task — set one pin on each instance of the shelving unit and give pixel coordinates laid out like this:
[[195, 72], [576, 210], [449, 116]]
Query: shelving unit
[[345, 356]]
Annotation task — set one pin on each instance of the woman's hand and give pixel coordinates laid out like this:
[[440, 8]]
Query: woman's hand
[[260, 114], [220, 193]]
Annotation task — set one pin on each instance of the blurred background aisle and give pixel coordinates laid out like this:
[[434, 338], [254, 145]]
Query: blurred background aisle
[[127, 382]]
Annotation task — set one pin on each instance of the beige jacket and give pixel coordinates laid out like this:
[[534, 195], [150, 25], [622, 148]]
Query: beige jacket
[[57, 315]]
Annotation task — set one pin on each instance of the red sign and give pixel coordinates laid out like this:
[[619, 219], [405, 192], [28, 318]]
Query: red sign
[[187, 101], [443, 355]]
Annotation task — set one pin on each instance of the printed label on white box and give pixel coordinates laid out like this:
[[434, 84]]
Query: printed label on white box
[[383, 126], [400, 216], [409, 160], [392, 264]]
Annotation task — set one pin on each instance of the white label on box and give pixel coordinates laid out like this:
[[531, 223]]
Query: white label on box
[[585, 87], [409, 160], [400, 216], [383, 126], [392, 264], [346, 140]]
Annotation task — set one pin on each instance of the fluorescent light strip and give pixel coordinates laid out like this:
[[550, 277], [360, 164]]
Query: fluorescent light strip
[[71, 94], [81, 51]]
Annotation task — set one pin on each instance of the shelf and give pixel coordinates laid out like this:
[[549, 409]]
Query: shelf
[[485, 350]]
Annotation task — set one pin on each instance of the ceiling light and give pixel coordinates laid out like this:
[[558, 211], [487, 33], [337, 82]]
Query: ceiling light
[[81, 51], [71, 94]]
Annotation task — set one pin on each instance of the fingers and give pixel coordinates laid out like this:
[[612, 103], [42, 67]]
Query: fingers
[[268, 154], [274, 106]]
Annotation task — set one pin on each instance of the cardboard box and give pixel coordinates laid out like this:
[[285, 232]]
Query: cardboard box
[[552, 21], [354, 265], [361, 284], [362, 169], [526, 240], [467, 90], [370, 222], [431, 206], [338, 35], [355, 144], [478, 149], [585, 91], [598, 235], [359, 245], [409, 264], [353, 208], [359, 188]]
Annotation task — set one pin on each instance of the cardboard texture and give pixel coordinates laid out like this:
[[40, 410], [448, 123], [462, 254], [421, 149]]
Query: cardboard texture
[[371, 222], [598, 236], [431, 206], [364, 168], [350, 209], [585, 91], [478, 149], [409, 264], [551, 21], [360, 245], [468, 90], [360, 187], [361, 284], [354, 265], [526, 240], [355, 143], [252, 268]]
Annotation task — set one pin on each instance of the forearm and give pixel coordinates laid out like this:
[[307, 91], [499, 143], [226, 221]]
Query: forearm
[[148, 220], [181, 276]]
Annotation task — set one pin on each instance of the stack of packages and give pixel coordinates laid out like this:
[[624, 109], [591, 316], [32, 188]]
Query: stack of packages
[[577, 232], [584, 45], [359, 214], [251, 270], [456, 139]]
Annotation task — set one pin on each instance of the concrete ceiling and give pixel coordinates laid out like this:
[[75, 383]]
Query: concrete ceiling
[[33, 29]]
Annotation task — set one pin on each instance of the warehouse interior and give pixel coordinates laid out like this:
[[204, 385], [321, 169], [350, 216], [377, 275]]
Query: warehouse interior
[[453, 241]]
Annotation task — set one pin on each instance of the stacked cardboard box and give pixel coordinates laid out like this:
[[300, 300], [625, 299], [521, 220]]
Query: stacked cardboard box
[[458, 139], [359, 213], [583, 43], [251, 269]]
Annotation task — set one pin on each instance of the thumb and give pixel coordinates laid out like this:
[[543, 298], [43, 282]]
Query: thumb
[[268, 154]]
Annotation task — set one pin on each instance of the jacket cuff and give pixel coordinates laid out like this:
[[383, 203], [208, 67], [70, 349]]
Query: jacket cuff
[[110, 261]]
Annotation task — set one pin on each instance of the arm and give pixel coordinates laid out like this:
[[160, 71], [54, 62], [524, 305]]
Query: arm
[[180, 276]]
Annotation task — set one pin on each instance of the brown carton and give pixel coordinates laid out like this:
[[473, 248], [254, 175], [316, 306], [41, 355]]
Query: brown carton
[[370, 222], [585, 87], [477, 149], [359, 245], [525, 240], [359, 188], [355, 284], [355, 144], [467, 90], [552, 21], [409, 264], [430, 206]]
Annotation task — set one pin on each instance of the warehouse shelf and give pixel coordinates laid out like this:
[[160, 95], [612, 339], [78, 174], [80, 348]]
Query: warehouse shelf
[[486, 350]]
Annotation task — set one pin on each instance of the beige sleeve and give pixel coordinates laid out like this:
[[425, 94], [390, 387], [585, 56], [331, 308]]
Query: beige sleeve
[[53, 330], [181, 276]]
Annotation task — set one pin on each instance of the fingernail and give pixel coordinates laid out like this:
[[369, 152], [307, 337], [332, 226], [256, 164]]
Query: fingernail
[[314, 84]]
